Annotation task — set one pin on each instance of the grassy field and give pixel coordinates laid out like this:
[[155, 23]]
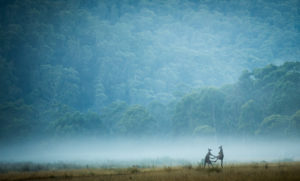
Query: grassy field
[[244, 172]]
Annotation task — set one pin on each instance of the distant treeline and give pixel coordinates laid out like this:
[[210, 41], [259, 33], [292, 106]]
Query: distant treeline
[[137, 68], [264, 102]]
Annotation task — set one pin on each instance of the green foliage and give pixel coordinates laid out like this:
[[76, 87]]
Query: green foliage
[[112, 114], [277, 88], [275, 125], [142, 51], [250, 116], [162, 115], [295, 126], [136, 121], [67, 67], [199, 108], [260, 103], [8, 81], [77, 124], [16, 119], [56, 84]]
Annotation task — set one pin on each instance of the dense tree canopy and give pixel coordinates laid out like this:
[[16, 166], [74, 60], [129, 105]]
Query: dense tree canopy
[[129, 67]]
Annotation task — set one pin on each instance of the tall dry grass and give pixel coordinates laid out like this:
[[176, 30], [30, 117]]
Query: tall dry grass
[[254, 171]]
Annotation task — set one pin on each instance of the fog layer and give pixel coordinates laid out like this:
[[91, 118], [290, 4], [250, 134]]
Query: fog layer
[[150, 151]]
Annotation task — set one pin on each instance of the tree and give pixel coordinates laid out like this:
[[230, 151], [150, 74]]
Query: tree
[[161, 114], [112, 114], [199, 108], [55, 84], [285, 99], [74, 123], [137, 121], [295, 126], [250, 117], [17, 120], [274, 125], [100, 96], [8, 82]]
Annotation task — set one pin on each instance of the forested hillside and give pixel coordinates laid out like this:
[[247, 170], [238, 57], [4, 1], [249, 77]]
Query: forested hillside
[[265, 102], [175, 67]]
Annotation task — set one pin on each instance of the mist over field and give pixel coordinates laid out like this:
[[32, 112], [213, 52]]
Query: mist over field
[[149, 152], [149, 82]]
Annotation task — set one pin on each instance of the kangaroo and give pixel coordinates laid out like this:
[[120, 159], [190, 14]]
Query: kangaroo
[[220, 156], [207, 158]]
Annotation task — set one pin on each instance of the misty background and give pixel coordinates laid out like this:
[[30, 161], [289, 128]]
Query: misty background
[[158, 70]]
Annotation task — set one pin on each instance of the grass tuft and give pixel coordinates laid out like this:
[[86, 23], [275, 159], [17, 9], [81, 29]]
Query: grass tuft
[[214, 169], [168, 169], [188, 166], [133, 170]]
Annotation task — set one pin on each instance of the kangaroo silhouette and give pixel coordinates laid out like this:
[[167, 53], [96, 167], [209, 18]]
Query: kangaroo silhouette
[[220, 156], [207, 158]]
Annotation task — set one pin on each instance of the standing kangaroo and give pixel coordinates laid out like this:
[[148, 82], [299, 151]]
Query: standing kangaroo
[[220, 156], [207, 158]]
